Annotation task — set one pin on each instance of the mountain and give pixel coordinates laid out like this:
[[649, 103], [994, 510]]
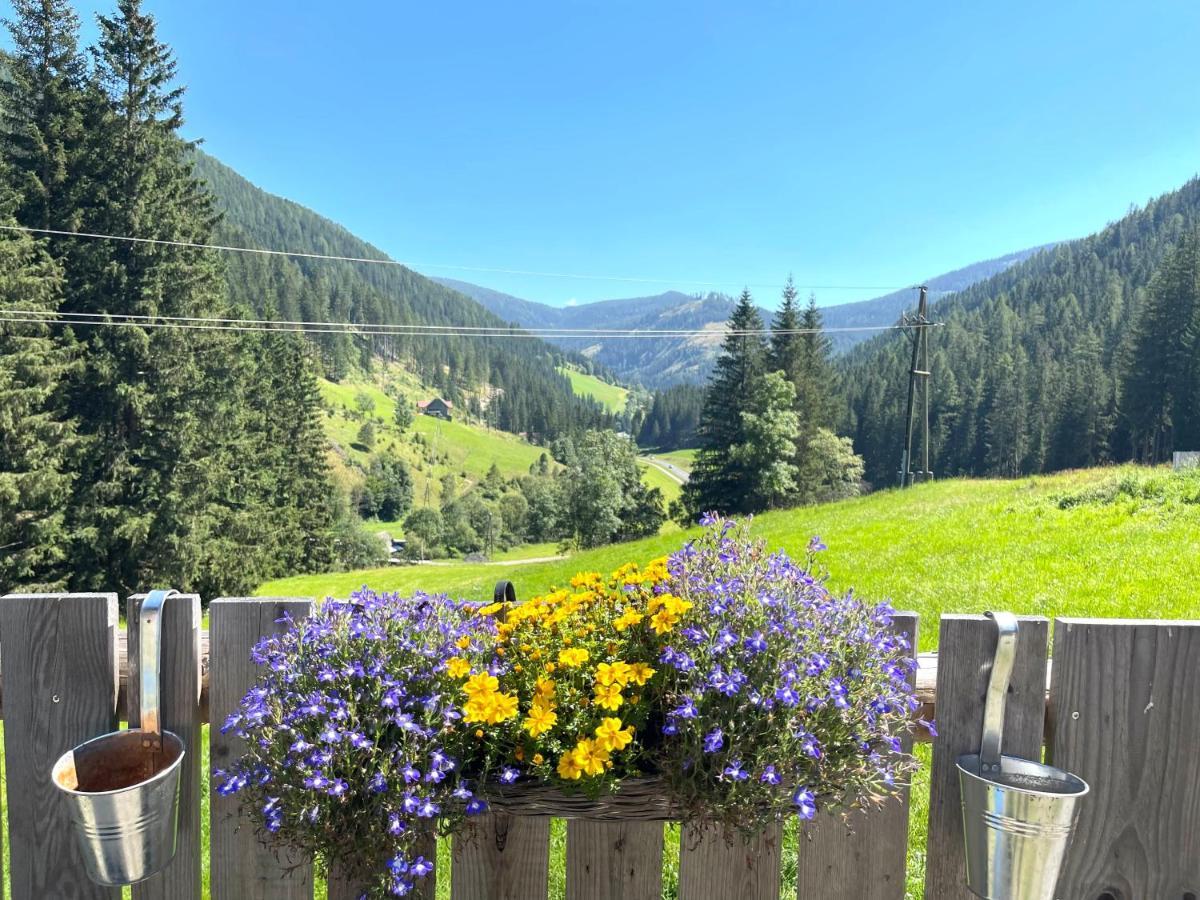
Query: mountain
[[661, 362], [512, 383], [1085, 353]]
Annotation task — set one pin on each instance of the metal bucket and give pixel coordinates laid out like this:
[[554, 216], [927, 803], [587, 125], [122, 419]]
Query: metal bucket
[[122, 789], [1017, 814]]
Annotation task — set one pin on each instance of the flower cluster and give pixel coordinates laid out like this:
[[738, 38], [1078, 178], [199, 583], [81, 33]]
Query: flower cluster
[[354, 747], [579, 664], [777, 694], [730, 672]]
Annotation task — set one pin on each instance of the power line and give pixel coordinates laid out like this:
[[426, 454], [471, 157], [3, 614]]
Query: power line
[[298, 254], [259, 325]]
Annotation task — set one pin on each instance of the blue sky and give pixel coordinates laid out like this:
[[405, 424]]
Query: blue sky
[[866, 144]]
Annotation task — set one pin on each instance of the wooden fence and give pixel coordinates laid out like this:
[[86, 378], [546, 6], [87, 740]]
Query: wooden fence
[[1122, 711]]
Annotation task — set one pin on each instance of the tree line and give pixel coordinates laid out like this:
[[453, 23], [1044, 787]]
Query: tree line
[[1086, 353], [765, 425]]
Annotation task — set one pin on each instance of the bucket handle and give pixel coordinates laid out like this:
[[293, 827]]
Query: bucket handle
[[150, 655], [997, 693]]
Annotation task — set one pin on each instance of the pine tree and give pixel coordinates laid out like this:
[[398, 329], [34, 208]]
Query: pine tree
[[815, 384], [719, 481], [787, 348], [768, 453], [34, 439], [1161, 391], [42, 99]]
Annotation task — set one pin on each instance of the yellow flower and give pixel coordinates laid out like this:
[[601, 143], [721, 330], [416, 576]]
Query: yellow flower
[[573, 657], [568, 768], [538, 759], [490, 609], [457, 667], [675, 605], [480, 684], [640, 672], [463, 642], [479, 709], [504, 706], [610, 735], [663, 621], [540, 720], [543, 689], [627, 618], [590, 757], [617, 673], [608, 696]]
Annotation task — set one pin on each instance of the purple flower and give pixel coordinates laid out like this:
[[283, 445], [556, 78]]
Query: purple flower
[[735, 772], [714, 741], [421, 867], [930, 726], [395, 825], [770, 776], [787, 696], [708, 519], [756, 643], [338, 788], [316, 782], [411, 773], [428, 809], [816, 545], [686, 710], [476, 806], [509, 775], [805, 803]]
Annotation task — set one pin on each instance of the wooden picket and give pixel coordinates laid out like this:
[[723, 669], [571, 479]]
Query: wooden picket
[[1123, 710], [502, 857], [179, 711], [242, 867], [865, 857], [614, 860], [59, 653], [1125, 698], [966, 645]]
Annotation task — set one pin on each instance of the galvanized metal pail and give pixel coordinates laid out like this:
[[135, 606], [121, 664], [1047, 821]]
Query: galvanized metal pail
[[122, 788], [1017, 814]]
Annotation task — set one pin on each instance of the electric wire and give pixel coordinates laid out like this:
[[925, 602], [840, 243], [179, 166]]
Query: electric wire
[[298, 254]]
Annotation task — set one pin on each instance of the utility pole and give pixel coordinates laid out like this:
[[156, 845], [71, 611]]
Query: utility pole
[[918, 374]]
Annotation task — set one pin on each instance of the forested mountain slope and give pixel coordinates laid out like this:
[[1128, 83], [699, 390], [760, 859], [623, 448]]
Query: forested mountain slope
[[512, 382], [1072, 357]]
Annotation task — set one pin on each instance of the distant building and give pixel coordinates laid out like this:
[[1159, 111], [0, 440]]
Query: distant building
[[1187, 459], [436, 407]]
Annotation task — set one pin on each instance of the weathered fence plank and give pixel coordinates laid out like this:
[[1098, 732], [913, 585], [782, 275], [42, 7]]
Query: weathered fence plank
[[717, 865], [863, 858], [502, 857], [179, 712], [614, 860], [59, 654], [1126, 697], [242, 867], [966, 647]]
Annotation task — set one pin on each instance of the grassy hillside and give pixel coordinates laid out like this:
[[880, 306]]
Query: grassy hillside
[[613, 396], [1100, 542]]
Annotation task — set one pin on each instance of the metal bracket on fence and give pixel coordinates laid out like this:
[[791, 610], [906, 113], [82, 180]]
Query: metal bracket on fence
[[505, 592], [997, 694], [150, 654]]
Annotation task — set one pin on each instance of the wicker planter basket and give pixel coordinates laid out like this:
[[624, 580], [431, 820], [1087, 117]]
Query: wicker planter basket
[[643, 799]]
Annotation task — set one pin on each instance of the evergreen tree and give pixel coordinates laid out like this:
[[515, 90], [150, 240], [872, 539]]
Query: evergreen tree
[[719, 481], [768, 453], [787, 353], [42, 112], [34, 439], [1161, 392], [815, 384]]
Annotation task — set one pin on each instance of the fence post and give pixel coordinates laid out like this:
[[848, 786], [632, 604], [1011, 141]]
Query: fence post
[[502, 857], [614, 860], [1125, 703], [179, 709], [716, 864], [966, 645], [865, 858], [242, 866], [59, 654]]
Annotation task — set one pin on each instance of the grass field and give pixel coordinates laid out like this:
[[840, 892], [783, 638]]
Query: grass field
[[1076, 543], [653, 476], [684, 459], [613, 396]]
